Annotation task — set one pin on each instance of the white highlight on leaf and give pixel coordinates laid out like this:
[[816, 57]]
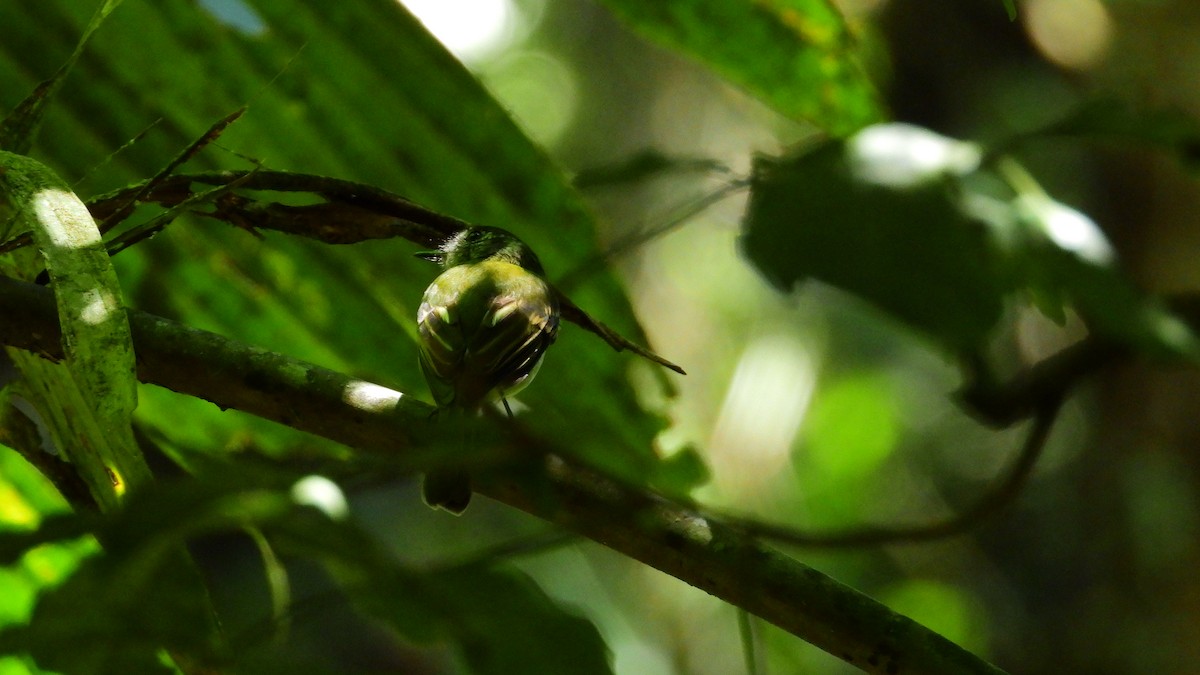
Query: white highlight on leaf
[[322, 494], [1068, 228], [901, 155], [46, 207], [97, 306], [370, 397]]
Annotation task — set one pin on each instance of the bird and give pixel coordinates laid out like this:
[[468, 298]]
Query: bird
[[483, 326]]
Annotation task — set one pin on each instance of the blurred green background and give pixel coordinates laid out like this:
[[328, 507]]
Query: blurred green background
[[811, 408]]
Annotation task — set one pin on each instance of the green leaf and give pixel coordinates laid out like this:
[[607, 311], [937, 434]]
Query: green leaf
[[944, 608], [14, 544], [681, 471], [853, 426], [98, 387], [134, 596], [506, 624], [19, 128], [1010, 6], [909, 250], [114, 614], [34, 550], [358, 91], [140, 594], [500, 621], [796, 55], [906, 220], [1118, 310]]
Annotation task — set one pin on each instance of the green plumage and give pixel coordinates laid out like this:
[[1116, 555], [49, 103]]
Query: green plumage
[[484, 324]]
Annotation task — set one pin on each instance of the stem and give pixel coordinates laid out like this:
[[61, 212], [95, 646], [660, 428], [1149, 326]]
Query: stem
[[716, 557], [749, 641]]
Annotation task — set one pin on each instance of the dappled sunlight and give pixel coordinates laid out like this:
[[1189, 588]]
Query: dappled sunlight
[[763, 409], [538, 89], [118, 481], [853, 427], [1174, 331], [1069, 228], [903, 155], [98, 306], [855, 304], [15, 510], [322, 494], [370, 397], [471, 29], [46, 206]]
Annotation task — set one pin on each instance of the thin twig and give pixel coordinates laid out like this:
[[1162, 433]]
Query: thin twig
[[571, 312], [353, 213], [749, 642], [639, 238], [131, 201], [112, 155], [429, 227], [991, 503], [155, 225]]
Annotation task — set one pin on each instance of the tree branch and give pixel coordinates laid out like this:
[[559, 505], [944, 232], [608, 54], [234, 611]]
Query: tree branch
[[718, 558], [352, 212], [235, 375]]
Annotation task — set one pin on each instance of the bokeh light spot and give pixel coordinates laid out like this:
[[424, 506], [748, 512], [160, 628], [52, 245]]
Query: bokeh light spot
[[1075, 34], [853, 426], [471, 29], [762, 412], [538, 90]]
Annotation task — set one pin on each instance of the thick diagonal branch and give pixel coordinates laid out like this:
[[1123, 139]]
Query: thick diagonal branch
[[717, 558]]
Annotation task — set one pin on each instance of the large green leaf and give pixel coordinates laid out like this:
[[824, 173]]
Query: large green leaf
[[910, 251], [87, 403], [798, 56], [909, 221], [93, 394], [26, 498], [123, 603], [358, 91], [499, 620], [355, 90]]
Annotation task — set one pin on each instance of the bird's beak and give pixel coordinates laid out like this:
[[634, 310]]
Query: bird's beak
[[431, 256]]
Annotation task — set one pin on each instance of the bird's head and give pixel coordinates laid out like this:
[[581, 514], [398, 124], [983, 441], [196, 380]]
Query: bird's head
[[479, 243]]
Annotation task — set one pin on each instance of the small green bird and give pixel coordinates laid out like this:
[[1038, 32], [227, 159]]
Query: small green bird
[[484, 324]]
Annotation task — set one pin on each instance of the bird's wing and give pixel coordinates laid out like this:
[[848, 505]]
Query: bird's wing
[[441, 346], [518, 329], [483, 331]]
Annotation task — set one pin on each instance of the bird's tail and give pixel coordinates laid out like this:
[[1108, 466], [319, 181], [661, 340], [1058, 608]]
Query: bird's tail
[[450, 488]]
